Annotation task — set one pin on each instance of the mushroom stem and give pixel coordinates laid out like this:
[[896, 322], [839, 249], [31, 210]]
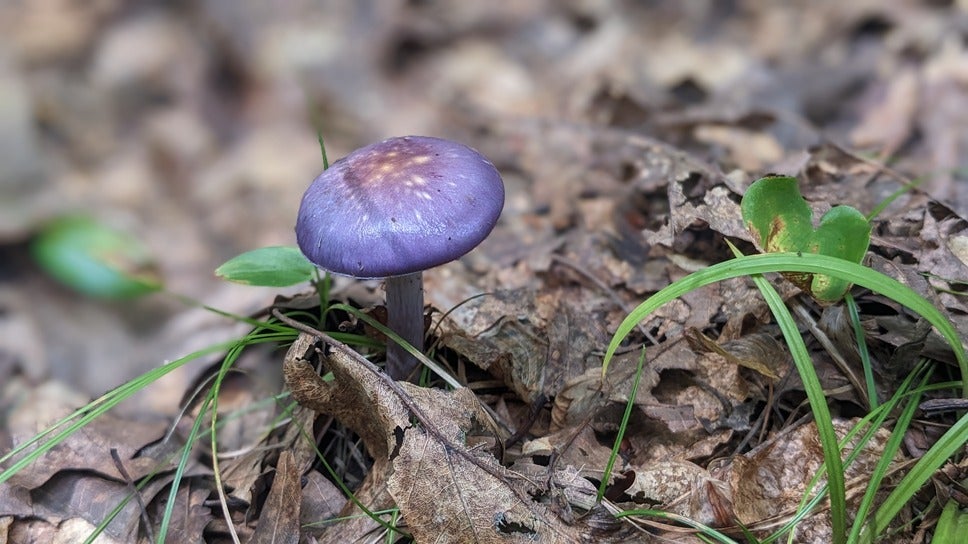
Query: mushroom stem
[[405, 317]]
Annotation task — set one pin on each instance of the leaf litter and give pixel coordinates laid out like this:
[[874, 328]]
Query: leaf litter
[[625, 149]]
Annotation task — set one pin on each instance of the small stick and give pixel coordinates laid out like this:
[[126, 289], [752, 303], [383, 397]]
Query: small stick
[[134, 491], [404, 398]]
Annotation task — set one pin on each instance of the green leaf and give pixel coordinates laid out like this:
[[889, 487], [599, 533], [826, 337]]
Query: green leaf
[[94, 259], [777, 215], [277, 266], [781, 221]]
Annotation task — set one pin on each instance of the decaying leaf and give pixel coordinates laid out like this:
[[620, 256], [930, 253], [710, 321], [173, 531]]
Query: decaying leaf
[[191, 513], [280, 517], [446, 490], [534, 341], [683, 488], [676, 409], [766, 485], [758, 352]]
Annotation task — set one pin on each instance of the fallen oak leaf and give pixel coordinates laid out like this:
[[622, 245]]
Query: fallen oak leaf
[[447, 497], [308, 389]]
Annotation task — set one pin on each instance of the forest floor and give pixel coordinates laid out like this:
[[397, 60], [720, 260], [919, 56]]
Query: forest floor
[[626, 134]]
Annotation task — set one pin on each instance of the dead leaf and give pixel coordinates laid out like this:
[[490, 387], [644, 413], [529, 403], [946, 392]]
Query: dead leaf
[[765, 484], [580, 449], [683, 488], [758, 352], [321, 500], [191, 514], [752, 151], [279, 521], [445, 497], [445, 491], [888, 122], [534, 342]]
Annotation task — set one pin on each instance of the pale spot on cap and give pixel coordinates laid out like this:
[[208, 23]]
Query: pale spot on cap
[[366, 217]]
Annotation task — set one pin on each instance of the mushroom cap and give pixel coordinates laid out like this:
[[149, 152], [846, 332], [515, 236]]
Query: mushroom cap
[[399, 206]]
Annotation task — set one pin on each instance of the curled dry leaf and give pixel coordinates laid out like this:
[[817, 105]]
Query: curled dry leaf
[[446, 490], [758, 352]]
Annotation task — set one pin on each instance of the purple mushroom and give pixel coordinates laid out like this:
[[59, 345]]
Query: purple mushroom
[[394, 209]]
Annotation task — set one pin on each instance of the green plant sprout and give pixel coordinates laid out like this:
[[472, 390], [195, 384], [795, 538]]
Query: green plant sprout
[[780, 220], [825, 262]]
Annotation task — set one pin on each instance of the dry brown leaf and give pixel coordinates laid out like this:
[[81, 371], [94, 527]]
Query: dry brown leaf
[[321, 500], [445, 490], [683, 488], [534, 342], [716, 208], [677, 414], [765, 484], [751, 151], [579, 449], [758, 352], [943, 119], [191, 513], [445, 497], [279, 522], [889, 122]]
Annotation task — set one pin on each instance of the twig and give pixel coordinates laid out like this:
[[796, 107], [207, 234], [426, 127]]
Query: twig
[[832, 350], [407, 401], [134, 491]]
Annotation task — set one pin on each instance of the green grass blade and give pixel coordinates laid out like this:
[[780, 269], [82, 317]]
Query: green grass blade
[[884, 463], [906, 187], [871, 422], [260, 335], [394, 337], [793, 262], [91, 411], [704, 529], [952, 525], [606, 475], [818, 405], [180, 471], [865, 357], [950, 442]]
